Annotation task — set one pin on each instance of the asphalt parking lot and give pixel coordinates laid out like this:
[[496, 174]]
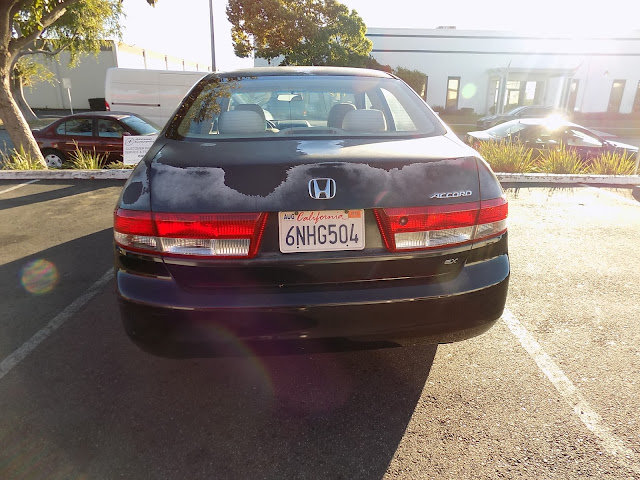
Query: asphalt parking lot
[[550, 392]]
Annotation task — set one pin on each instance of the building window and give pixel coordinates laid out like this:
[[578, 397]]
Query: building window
[[530, 88], [496, 96], [426, 86], [453, 90], [636, 101], [573, 95], [512, 97], [615, 99]]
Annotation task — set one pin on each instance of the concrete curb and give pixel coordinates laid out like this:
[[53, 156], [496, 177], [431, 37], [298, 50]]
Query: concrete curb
[[529, 178], [557, 178], [115, 174]]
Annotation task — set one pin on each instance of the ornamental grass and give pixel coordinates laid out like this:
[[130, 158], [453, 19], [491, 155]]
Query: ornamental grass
[[508, 157], [87, 160], [19, 159], [613, 163], [560, 160]]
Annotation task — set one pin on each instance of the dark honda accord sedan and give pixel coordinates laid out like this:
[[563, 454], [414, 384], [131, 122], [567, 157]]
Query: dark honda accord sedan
[[301, 209]]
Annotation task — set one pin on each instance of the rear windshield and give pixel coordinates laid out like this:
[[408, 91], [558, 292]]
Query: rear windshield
[[506, 129], [142, 127], [333, 106]]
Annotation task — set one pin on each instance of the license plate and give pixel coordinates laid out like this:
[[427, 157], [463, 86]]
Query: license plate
[[321, 231]]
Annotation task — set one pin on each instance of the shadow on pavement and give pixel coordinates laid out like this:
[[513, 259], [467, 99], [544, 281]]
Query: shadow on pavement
[[77, 188], [38, 287], [89, 404]]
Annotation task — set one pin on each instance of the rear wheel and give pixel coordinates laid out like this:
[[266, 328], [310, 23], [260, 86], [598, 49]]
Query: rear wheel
[[53, 158]]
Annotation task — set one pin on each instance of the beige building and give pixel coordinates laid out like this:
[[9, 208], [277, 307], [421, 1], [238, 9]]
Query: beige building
[[494, 71], [87, 79]]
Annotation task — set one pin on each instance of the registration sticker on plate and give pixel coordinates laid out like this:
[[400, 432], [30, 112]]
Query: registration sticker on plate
[[321, 231]]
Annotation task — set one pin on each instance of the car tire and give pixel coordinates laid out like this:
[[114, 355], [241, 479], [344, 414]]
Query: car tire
[[53, 158]]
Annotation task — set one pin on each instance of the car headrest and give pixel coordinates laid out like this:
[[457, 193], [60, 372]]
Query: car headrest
[[337, 113], [241, 121], [365, 121], [251, 107]]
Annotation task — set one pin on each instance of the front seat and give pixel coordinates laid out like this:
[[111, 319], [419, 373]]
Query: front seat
[[337, 113], [251, 107]]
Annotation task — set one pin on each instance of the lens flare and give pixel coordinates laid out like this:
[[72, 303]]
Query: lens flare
[[39, 276], [469, 90]]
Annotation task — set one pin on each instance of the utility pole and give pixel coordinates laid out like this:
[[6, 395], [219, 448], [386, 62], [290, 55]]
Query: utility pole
[[213, 42]]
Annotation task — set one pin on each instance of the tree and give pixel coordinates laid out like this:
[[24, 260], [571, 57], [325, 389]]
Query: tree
[[376, 65], [49, 27], [414, 78], [303, 32], [27, 73]]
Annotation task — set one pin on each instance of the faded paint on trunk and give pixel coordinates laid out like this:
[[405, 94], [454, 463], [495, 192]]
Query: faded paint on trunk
[[274, 175]]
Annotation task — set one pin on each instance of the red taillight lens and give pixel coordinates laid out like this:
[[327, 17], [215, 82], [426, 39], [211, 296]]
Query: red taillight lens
[[492, 219], [107, 107], [219, 225], [135, 230], [188, 234], [431, 227], [133, 222]]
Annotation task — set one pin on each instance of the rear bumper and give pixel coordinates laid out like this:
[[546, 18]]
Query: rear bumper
[[166, 320]]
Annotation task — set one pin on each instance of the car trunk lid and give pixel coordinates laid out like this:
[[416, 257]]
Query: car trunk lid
[[274, 176]]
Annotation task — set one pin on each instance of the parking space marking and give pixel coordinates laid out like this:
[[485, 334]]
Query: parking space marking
[[15, 187], [612, 195], [30, 345], [609, 441]]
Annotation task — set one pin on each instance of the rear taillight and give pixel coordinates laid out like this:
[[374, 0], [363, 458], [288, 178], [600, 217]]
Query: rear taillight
[[231, 235], [107, 107], [135, 230], [492, 218], [418, 228]]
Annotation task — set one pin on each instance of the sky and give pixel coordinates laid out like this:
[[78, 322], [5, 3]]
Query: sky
[[181, 27]]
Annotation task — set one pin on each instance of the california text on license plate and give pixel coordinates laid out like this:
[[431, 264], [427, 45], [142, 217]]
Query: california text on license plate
[[321, 231]]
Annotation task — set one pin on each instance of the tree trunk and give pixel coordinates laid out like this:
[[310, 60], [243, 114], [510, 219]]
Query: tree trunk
[[14, 122], [17, 91]]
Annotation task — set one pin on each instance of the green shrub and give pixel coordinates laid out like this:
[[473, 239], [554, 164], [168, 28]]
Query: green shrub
[[505, 157], [613, 163], [560, 160], [119, 165], [87, 160], [19, 160]]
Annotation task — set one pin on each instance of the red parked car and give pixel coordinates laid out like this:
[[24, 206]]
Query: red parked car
[[99, 131]]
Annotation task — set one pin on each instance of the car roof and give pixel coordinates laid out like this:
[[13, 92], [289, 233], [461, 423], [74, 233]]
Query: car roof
[[541, 121], [302, 71], [116, 115]]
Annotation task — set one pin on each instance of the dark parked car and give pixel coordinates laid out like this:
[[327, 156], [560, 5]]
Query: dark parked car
[[541, 134], [99, 131], [532, 111], [373, 226]]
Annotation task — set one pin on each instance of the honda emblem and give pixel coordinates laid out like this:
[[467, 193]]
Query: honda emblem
[[322, 188]]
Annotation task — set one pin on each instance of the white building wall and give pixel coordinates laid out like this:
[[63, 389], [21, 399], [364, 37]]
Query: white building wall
[[88, 77], [87, 81], [475, 56]]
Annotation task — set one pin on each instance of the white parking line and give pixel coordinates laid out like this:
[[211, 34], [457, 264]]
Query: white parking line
[[612, 195], [609, 441], [15, 187], [30, 345]]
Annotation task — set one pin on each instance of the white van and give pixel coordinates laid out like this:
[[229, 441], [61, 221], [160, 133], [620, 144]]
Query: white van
[[152, 94]]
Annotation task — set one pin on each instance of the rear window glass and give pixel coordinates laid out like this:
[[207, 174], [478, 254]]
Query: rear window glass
[[140, 126], [316, 105], [506, 129]]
